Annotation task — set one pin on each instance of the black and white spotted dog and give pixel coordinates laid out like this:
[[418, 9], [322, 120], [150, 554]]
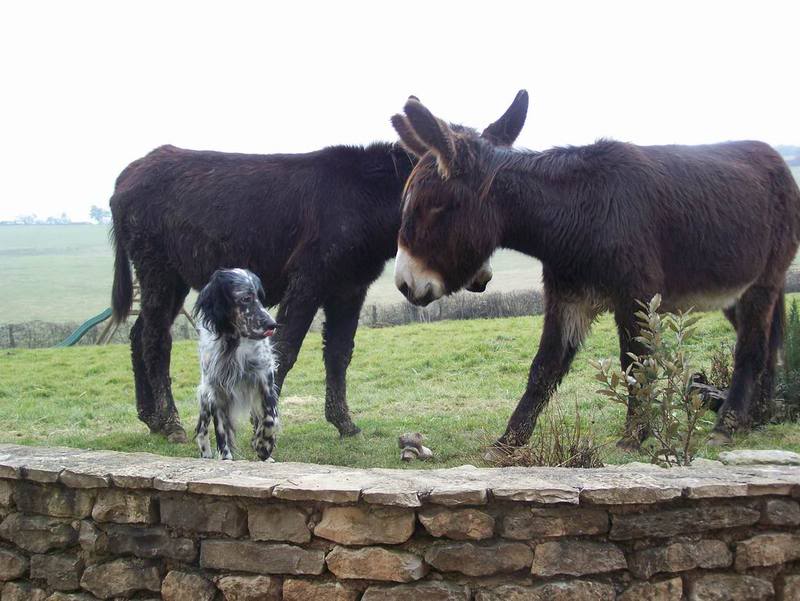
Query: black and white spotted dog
[[236, 363]]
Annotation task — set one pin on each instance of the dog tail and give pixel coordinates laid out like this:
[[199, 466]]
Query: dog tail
[[122, 289]]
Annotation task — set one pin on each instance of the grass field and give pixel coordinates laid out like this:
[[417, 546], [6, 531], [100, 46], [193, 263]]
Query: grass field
[[61, 273], [457, 382]]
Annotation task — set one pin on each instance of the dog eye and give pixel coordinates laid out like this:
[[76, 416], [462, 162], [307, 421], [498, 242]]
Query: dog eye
[[247, 298]]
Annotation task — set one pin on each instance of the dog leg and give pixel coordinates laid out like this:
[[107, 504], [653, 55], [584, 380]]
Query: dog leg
[[266, 426], [224, 429], [206, 402]]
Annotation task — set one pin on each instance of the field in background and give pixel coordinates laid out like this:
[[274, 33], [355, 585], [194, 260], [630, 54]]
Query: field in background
[[63, 273], [459, 394]]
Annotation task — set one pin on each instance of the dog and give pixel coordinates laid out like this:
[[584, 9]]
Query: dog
[[237, 366]]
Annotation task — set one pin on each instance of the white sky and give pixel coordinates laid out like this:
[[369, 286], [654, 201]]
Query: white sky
[[88, 87]]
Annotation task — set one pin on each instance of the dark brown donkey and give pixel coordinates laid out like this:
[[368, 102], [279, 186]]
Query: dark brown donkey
[[706, 226], [317, 228]]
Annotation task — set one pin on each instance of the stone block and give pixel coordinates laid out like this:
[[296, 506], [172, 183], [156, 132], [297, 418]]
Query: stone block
[[252, 588], [203, 516], [671, 522], [186, 586], [572, 590], [458, 524], [727, 587], [22, 591], [679, 557], [123, 507], [366, 525], [53, 500], [666, 590], [278, 522], [767, 549], [62, 572], [422, 591], [121, 578], [781, 512], [375, 563], [13, 565], [148, 543], [576, 558], [479, 560], [301, 590], [525, 523], [260, 558], [38, 533]]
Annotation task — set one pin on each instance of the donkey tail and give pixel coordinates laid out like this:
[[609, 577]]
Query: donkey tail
[[122, 289]]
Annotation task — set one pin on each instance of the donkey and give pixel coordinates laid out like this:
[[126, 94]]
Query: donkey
[[317, 228], [712, 226]]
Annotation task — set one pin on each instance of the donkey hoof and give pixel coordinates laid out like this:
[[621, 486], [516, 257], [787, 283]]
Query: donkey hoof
[[177, 436], [629, 444], [497, 454], [348, 430], [719, 439]]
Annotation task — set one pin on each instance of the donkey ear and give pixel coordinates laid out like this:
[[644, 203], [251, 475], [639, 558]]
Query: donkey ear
[[505, 130], [408, 138], [434, 133], [214, 305]]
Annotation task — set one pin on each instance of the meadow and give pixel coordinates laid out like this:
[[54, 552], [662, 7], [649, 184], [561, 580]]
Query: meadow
[[63, 273], [455, 381]]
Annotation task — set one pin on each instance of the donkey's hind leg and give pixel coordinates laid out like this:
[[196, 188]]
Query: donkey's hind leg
[[163, 294], [636, 430], [754, 321], [341, 321]]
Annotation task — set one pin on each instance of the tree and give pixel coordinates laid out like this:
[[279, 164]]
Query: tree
[[99, 215]]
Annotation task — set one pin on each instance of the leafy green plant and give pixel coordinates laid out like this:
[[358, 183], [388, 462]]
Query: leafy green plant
[[669, 407], [788, 390]]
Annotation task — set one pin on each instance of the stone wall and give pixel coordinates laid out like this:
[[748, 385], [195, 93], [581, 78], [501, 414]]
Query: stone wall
[[79, 525]]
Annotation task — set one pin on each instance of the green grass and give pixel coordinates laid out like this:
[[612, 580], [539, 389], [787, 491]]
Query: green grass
[[457, 382]]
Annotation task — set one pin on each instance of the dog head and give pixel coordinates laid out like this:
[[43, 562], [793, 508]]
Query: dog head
[[231, 304]]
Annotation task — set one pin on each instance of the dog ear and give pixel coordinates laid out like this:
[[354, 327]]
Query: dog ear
[[215, 304], [262, 296]]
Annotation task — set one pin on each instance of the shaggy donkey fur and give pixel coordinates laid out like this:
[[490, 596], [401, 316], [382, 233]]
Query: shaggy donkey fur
[[236, 365], [317, 227], [712, 226]]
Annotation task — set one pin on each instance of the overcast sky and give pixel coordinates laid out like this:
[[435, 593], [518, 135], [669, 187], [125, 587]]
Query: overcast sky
[[88, 87]]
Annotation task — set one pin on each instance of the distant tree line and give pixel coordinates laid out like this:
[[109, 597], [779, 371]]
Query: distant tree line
[[96, 214]]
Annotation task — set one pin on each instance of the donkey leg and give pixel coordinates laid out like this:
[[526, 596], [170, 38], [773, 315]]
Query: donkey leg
[[159, 296], [341, 322], [754, 314], [296, 312], [145, 400], [566, 323], [266, 425]]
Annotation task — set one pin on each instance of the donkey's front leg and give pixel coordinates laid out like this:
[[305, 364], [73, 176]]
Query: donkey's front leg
[[566, 324], [266, 424]]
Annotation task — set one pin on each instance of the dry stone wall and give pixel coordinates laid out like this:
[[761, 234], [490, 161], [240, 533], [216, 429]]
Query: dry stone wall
[[79, 525]]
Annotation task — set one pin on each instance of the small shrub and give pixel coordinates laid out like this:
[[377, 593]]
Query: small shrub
[[721, 370], [555, 443], [670, 406], [787, 397]]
